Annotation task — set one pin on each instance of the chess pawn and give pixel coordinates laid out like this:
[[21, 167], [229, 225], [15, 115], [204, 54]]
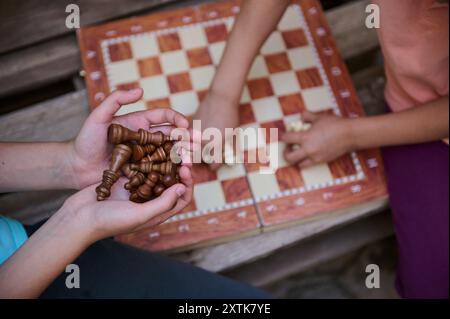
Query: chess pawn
[[127, 171], [158, 190], [121, 154], [140, 151], [135, 181], [162, 168], [118, 134], [145, 191], [159, 155], [168, 148], [169, 180]]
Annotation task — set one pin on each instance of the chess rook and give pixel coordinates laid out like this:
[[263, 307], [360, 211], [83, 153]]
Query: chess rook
[[140, 151], [162, 168], [145, 191], [118, 134], [121, 154]]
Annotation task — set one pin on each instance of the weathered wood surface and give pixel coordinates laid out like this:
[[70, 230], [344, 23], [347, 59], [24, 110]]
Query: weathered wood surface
[[59, 58], [315, 251], [33, 21]]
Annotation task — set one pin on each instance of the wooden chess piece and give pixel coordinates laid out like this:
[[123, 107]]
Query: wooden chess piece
[[158, 190], [118, 134], [135, 181], [140, 151], [169, 180], [162, 168], [145, 191], [158, 156], [168, 148], [121, 154]]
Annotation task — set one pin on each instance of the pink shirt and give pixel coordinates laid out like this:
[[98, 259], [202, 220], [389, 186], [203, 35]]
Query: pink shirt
[[414, 38]]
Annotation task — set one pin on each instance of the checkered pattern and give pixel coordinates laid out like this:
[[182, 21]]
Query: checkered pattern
[[175, 67]]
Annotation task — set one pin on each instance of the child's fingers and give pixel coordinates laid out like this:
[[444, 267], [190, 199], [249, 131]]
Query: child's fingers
[[104, 113], [309, 117], [293, 137], [163, 204], [306, 163], [166, 116], [296, 156]]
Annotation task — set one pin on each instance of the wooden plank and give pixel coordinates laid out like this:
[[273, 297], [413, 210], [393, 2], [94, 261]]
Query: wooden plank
[[315, 251], [59, 58], [229, 255], [59, 119], [35, 21]]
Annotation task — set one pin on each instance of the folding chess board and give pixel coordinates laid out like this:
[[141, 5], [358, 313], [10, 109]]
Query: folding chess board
[[173, 56]]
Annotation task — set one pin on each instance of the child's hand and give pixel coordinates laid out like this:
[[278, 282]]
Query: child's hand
[[117, 215], [217, 112], [328, 138], [90, 151]]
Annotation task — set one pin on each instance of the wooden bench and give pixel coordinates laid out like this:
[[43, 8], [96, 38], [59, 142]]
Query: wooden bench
[[31, 59]]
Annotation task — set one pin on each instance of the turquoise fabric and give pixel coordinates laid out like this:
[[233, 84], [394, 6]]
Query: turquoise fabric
[[12, 236]]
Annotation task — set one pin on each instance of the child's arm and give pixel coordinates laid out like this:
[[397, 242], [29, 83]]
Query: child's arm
[[331, 137], [82, 220], [257, 19], [78, 163], [78, 224]]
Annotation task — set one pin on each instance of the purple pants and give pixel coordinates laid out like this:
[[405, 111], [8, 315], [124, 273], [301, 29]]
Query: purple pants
[[418, 182]]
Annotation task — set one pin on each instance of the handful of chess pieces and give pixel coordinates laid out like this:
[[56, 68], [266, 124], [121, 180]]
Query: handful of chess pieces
[[144, 158]]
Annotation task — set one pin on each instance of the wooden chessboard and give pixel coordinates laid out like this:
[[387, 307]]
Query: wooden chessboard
[[173, 56]]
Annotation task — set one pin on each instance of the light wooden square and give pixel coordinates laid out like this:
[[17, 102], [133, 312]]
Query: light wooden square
[[267, 109], [209, 195], [202, 77], [245, 98], [192, 38], [258, 69], [186, 103], [231, 172], [317, 99], [155, 87], [174, 62], [302, 58], [290, 20], [274, 44], [285, 83], [144, 46], [317, 175], [122, 72], [263, 185], [216, 51]]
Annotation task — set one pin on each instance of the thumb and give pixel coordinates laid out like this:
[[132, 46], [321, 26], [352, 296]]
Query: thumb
[[309, 117], [164, 203], [104, 113]]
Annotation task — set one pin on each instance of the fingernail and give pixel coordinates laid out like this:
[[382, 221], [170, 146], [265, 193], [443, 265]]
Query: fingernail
[[134, 91], [180, 191]]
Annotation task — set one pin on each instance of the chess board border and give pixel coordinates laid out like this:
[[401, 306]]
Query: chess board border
[[367, 184]]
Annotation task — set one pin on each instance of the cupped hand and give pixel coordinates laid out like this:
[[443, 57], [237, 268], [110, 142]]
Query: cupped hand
[[328, 138], [90, 151], [119, 215]]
